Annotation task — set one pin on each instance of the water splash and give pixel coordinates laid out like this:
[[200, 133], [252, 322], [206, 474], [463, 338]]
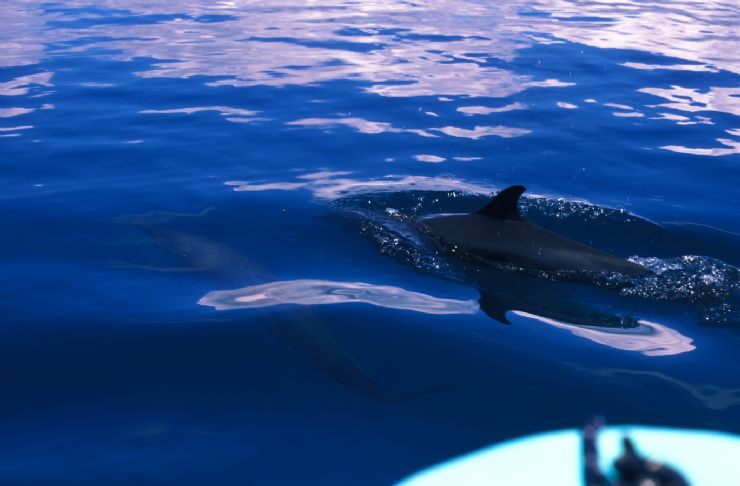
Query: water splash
[[711, 284]]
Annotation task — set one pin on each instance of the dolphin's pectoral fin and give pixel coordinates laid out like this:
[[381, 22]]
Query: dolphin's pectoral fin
[[505, 205], [494, 308]]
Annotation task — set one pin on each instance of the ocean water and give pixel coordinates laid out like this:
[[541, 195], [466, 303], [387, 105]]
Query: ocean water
[[211, 270]]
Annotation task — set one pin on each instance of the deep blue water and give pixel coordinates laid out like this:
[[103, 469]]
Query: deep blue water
[[154, 154]]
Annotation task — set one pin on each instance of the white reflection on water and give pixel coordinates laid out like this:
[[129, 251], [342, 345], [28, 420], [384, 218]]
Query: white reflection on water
[[233, 115], [331, 185], [13, 129], [31, 86], [734, 148], [725, 100], [567, 106], [324, 174], [671, 67], [11, 112], [96, 85], [438, 78], [22, 84], [683, 120], [224, 110], [438, 48], [322, 292], [359, 124], [485, 110], [480, 132], [704, 32], [426, 47], [22, 39], [432, 159], [628, 114], [401, 49], [649, 338], [365, 126], [618, 106]]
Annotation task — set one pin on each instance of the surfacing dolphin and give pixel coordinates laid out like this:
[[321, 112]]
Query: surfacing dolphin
[[499, 233]]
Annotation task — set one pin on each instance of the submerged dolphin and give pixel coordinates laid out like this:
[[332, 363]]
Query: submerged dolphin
[[301, 329], [498, 233]]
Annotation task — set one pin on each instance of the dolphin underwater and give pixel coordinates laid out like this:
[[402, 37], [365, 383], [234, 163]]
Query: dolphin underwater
[[301, 329], [498, 233]]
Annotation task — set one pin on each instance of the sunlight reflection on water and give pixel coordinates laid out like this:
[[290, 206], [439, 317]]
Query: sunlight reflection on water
[[649, 338], [429, 48], [322, 292]]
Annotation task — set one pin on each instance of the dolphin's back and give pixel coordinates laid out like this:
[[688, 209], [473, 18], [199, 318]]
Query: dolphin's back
[[512, 239]]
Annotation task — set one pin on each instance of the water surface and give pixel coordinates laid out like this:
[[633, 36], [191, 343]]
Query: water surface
[[211, 271]]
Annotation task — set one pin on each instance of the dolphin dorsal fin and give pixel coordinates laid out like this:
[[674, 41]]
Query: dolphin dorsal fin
[[505, 205]]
